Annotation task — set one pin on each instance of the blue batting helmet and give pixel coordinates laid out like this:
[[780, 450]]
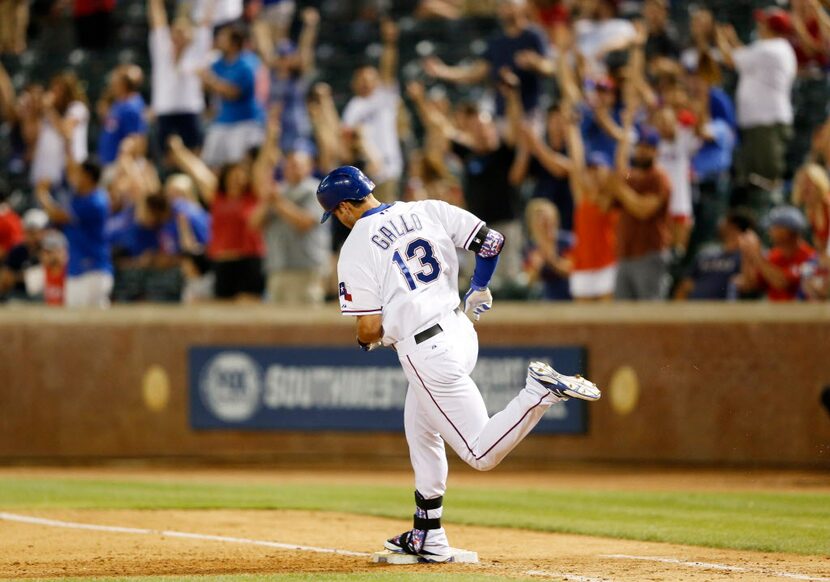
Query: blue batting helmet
[[343, 183]]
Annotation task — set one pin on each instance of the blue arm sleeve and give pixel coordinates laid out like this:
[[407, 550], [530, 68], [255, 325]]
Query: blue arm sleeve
[[485, 267], [487, 245]]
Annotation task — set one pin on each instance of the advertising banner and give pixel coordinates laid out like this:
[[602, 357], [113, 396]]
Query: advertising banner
[[344, 389]]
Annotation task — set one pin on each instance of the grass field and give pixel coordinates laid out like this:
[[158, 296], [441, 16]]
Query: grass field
[[791, 522]]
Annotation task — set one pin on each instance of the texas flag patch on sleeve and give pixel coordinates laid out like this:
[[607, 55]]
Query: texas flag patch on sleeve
[[344, 293]]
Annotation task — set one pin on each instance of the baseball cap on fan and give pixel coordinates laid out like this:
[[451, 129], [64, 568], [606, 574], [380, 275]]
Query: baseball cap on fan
[[788, 217], [776, 19], [648, 136], [35, 219]]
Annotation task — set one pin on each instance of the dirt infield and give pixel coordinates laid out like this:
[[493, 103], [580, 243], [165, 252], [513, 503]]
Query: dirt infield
[[33, 550], [152, 542]]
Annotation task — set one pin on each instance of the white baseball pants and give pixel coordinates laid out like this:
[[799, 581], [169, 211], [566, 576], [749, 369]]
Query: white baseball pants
[[443, 404]]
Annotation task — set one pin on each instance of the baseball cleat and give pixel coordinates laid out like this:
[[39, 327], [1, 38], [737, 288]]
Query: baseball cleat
[[561, 385], [428, 545]]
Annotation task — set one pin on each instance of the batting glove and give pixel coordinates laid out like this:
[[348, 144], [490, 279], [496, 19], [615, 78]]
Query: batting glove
[[478, 301]]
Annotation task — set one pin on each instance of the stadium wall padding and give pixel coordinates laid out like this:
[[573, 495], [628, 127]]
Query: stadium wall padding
[[683, 383]]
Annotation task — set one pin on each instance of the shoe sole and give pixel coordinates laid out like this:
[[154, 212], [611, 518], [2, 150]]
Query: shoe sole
[[429, 558], [577, 388]]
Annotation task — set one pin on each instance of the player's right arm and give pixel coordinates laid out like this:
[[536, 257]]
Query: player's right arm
[[369, 331], [360, 297]]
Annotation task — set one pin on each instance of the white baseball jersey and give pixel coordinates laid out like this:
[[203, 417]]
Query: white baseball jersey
[[401, 262]]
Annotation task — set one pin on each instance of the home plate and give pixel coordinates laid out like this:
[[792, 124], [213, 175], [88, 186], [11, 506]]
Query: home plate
[[390, 557]]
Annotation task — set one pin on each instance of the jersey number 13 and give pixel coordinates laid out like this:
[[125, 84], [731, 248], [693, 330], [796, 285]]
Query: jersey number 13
[[430, 267]]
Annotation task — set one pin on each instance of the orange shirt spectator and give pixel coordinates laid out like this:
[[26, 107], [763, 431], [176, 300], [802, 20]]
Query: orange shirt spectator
[[596, 237], [593, 257], [595, 225]]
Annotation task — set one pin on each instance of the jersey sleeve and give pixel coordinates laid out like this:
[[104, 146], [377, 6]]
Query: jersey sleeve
[[461, 225], [358, 290]]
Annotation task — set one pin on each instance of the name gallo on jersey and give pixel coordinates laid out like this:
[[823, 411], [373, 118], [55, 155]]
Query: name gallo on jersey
[[392, 229]]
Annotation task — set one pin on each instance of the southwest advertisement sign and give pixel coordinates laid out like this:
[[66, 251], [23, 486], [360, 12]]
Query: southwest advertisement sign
[[344, 389]]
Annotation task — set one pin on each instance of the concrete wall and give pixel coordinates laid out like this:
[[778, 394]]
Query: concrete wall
[[735, 384]]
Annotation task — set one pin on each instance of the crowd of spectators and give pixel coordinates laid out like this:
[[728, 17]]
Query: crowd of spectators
[[622, 157]]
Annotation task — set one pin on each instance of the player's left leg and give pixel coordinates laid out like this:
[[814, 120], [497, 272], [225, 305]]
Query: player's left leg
[[480, 441], [439, 371]]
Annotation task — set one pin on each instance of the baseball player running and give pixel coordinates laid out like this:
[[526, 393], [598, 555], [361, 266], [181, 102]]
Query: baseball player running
[[398, 273]]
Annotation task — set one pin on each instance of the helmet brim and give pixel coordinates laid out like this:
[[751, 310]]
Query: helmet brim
[[325, 216]]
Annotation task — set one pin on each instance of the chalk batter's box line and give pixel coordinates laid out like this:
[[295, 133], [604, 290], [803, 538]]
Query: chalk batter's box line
[[174, 534], [294, 547]]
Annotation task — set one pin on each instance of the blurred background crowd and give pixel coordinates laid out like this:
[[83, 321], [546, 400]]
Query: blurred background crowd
[[637, 150]]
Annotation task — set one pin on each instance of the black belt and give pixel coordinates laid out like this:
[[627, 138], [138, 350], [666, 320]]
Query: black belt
[[429, 332]]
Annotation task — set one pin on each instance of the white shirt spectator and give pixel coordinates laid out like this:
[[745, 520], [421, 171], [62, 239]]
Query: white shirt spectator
[[49, 158], [594, 37], [378, 114], [767, 70], [224, 11], [176, 86], [675, 158]]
